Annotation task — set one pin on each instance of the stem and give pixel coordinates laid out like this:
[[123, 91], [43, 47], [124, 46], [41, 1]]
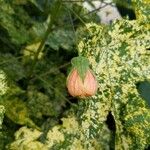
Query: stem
[[51, 71], [57, 91], [54, 15]]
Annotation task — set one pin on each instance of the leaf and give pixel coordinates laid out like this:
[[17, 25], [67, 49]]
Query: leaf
[[16, 30], [39, 29], [40, 105], [81, 64], [52, 101], [17, 111], [18, 26], [18, 2], [28, 138], [38, 4], [2, 111], [12, 67], [120, 63], [61, 39], [30, 50], [3, 83], [142, 13]]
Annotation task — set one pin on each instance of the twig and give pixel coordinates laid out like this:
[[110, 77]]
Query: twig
[[51, 70]]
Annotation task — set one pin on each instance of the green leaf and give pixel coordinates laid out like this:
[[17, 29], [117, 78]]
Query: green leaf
[[2, 110], [11, 66], [28, 138], [38, 4], [16, 30], [39, 104], [17, 111], [61, 39], [3, 83], [81, 64]]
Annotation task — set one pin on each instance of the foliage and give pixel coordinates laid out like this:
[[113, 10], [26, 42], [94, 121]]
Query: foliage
[[37, 42], [1, 114]]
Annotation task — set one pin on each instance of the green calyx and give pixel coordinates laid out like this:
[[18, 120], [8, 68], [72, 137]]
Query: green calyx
[[81, 64]]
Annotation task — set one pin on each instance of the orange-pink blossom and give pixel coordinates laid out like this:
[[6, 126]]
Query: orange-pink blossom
[[81, 88]]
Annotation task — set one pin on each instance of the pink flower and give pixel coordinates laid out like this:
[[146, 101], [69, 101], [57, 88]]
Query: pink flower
[[82, 88]]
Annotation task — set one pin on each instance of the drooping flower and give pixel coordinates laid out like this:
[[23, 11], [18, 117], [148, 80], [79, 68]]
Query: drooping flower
[[81, 88]]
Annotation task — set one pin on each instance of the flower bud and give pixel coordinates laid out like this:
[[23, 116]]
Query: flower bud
[[82, 88]]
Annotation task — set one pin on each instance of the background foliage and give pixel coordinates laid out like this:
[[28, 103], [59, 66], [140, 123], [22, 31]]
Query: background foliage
[[38, 40]]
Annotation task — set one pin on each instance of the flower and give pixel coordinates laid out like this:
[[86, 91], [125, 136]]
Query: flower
[[82, 88]]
